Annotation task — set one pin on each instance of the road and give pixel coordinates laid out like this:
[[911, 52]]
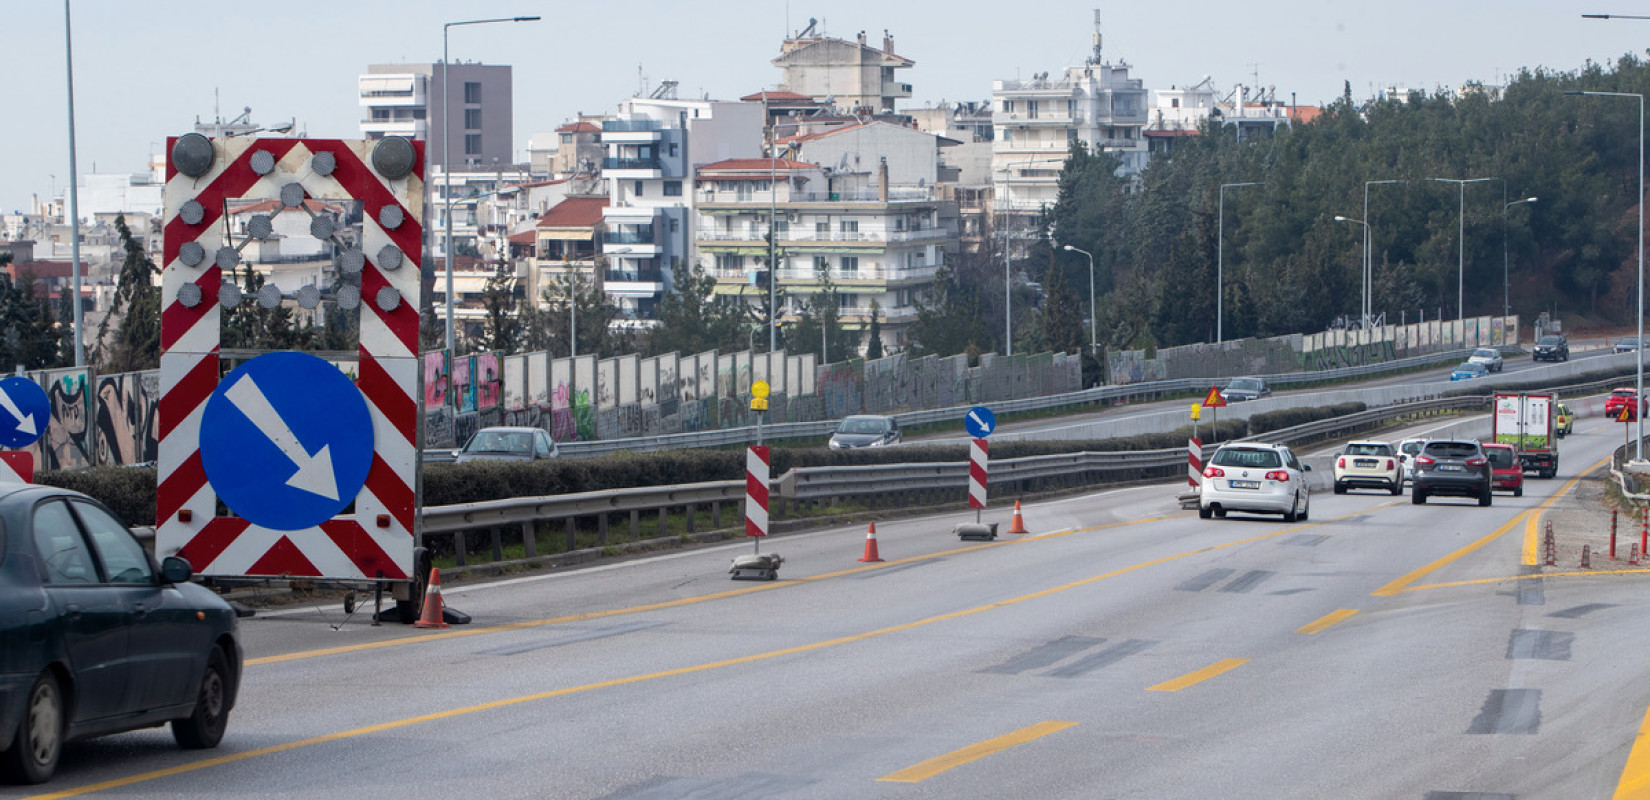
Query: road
[[1123, 649]]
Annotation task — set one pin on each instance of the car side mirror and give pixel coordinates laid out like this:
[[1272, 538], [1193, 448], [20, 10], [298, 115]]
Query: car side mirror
[[176, 569]]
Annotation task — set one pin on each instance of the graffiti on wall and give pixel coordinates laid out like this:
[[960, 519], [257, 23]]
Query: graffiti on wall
[[435, 380], [125, 431], [464, 385], [66, 444], [489, 383]]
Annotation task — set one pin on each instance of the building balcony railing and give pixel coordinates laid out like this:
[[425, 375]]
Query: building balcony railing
[[632, 163], [628, 125], [895, 89], [806, 237], [639, 236], [633, 276]]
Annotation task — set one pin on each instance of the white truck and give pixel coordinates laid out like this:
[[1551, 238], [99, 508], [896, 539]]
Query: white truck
[[1527, 422]]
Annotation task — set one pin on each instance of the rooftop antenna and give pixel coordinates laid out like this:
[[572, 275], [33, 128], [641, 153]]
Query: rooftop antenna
[[1095, 59]]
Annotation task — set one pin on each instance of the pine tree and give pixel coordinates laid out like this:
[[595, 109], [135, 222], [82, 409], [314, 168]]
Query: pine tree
[[134, 343]]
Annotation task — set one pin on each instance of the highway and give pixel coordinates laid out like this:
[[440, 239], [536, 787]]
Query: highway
[[1123, 649]]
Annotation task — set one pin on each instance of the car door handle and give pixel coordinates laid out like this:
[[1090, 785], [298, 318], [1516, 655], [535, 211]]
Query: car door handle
[[139, 611], [74, 611]]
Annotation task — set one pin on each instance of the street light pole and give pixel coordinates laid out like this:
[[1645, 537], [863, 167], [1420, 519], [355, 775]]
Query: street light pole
[[1461, 242], [1506, 284], [1639, 451], [74, 196], [447, 163], [1364, 261], [1220, 260], [1369, 265], [1094, 343]]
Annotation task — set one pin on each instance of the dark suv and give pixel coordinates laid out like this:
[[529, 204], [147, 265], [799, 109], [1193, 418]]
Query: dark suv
[[1452, 467], [1552, 348]]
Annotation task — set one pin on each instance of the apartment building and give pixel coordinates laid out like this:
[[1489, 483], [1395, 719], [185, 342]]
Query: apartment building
[[1036, 121], [408, 100], [875, 240], [568, 243], [651, 147], [853, 76]]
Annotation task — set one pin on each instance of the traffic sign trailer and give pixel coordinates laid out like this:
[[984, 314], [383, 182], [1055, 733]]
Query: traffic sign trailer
[[305, 455]]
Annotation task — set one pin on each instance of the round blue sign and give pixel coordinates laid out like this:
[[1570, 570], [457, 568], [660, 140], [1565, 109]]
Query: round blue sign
[[24, 411], [286, 441], [980, 422]]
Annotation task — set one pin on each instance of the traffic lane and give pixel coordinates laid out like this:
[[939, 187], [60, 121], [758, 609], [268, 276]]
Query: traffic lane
[[464, 682]]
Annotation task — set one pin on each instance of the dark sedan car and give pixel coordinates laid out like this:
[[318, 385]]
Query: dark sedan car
[[1241, 389], [508, 444], [1452, 467], [1552, 348], [865, 430], [94, 639]]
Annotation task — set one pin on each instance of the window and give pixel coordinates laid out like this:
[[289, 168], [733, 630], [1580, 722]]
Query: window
[[1174, 103], [567, 138], [850, 264], [821, 264], [727, 262], [781, 227], [848, 226], [822, 227], [472, 92], [636, 189], [1008, 106], [672, 150], [472, 144], [62, 551], [744, 191], [673, 188], [472, 118], [123, 558], [1031, 109], [675, 224]]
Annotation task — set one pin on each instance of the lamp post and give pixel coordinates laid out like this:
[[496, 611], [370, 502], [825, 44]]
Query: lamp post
[[1369, 256], [74, 195], [1220, 260], [1506, 285], [1363, 263], [1094, 342], [447, 163], [1639, 451], [1461, 242]]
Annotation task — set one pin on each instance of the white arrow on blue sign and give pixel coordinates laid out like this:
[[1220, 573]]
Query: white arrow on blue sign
[[24, 411], [286, 441], [980, 422]]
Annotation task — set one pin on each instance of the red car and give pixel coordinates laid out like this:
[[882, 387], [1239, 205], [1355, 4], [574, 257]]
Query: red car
[[1622, 399], [1506, 473]]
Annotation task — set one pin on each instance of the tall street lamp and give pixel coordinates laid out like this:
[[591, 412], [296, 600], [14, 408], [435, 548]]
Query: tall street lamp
[[1220, 259], [74, 195], [1369, 256], [1363, 263], [1094, 345], [1506, 285], [446, 158], [1461, 242], [1639, 451]]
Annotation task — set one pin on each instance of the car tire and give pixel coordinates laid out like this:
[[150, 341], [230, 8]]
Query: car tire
[[1340, 488], [1418, 497], [1519, 492], [1220, 513], [1486, 498], [1205, 512], [39, 740], [205, 725], [1306, 510], [1290, 515]]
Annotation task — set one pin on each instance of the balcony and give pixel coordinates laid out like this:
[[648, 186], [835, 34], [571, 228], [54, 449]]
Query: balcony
[[632, 276], [638, 236], [630, 125], [654, 163], [895, 89]]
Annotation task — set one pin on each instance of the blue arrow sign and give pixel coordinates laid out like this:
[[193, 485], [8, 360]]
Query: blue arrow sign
[[286, 441], [24, 411], [980, 422]]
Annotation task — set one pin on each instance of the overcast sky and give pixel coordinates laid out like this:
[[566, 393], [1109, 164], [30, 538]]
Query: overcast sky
[[147, 70]]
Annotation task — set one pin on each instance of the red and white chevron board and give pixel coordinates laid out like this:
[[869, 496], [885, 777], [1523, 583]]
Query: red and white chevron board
[[1194, 462], [977, 472], [756, 491], [16, 466], [377, 540]]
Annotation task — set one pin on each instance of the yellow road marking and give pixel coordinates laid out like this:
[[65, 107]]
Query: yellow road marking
[[1415, 575], [974, 752], [1635, 776], [1591, 573], [1326, 620], [1532, 544], [513, 701], [1199, 676]]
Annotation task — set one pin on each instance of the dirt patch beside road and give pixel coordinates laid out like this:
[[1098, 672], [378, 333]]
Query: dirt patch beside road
[[1582, 518]]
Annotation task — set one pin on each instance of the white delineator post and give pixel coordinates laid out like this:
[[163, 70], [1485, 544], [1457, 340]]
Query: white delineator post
[[977, 473], [756, 493], [1194, 462]]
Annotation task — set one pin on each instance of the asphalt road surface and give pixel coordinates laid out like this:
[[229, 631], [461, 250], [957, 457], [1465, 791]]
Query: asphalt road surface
[[1123, 649]]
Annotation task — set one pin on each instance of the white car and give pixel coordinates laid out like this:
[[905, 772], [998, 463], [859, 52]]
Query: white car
[[1408, 449], [1256, 478], [1369, 465], [1488, 356]]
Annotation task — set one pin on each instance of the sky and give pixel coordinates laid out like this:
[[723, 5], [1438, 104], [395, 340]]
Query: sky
[[147, 70]]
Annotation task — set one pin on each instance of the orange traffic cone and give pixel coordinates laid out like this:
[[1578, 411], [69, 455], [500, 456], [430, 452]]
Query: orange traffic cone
[[1019, 525], [871, 544], [432, 616]]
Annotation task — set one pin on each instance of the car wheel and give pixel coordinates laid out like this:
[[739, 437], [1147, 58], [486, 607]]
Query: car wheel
[[1306, 509], [204, 726], [1486, 498], [1205, 512], [1340, 488], [1518, 492], [1418, 497], [39, 741], [1397, 488], [1290, 515], [1220, 513]]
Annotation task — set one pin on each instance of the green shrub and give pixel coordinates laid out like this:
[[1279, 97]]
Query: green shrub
[[127, 491]]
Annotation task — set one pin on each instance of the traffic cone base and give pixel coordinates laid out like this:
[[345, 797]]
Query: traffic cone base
[[871, 544], [432, 616], [1019, 524]]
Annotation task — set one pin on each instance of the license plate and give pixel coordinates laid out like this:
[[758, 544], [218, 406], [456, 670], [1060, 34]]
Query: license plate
[[1245, 484], [1451, 468], [1363, 462]]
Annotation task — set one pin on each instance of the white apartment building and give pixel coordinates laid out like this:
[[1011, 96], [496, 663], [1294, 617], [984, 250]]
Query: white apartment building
[[875, 240], [1036, 121], [407, 100], [651, 147]]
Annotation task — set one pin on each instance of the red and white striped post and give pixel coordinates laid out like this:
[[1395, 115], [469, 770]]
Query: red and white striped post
[[16, 466], [1194, 462], [977, 476], [756, 494]]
